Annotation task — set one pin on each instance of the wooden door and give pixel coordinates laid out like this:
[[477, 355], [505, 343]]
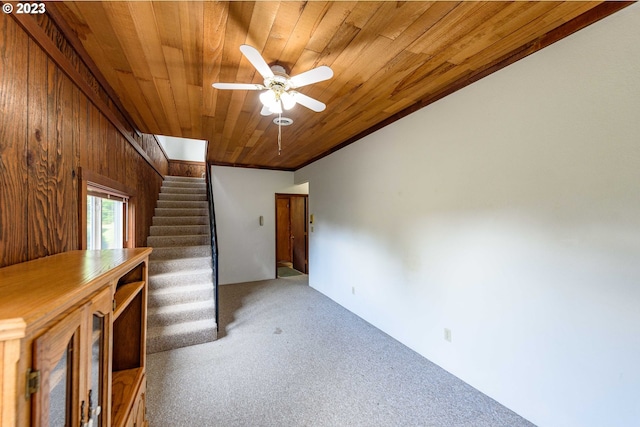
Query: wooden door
[[283, 230], [299, 232], [291, 231]]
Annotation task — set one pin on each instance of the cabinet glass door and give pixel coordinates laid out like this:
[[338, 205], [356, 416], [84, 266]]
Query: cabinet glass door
[[59, 385], [56, 357], [96, 370], [100, 330]]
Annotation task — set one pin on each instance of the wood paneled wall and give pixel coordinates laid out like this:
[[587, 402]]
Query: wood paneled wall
[[48, 129], [184, 168]]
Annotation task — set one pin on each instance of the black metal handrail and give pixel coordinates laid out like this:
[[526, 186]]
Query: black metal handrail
[[214, 239]]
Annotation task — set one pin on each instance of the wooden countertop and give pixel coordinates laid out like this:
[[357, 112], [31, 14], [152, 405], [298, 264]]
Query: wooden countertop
[[40, 289]]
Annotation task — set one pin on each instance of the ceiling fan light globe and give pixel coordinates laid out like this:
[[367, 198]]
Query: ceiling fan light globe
[[288, 101], [276, 108], [268, 98]]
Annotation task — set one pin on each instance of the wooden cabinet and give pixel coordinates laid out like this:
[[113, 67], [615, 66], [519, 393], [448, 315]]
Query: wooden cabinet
[[138, 415], [72, 340]]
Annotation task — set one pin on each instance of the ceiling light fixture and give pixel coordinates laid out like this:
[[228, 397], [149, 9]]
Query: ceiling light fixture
[[279, 89], [283, 121]]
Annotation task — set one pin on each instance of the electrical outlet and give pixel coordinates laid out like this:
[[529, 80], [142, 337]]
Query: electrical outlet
[[447, 334]]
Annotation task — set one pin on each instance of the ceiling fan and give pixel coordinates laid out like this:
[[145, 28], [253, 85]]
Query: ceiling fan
[[280, 89]]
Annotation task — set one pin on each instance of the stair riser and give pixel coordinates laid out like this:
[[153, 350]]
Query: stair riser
[[179, 252], [157, 282], [181, 220], [178, 230], [167, 319], [182, 190], [163, 343], [167, 241], [163, 299], [180, 265], [186, 197], [183, 179], [181, 212], [182, 184], [181, 204]]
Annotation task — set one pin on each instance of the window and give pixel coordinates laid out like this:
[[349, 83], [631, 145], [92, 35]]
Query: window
[[106, 213], [105, 221]]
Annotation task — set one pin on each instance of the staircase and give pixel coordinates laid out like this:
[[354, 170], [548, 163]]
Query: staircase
[[181, 307]]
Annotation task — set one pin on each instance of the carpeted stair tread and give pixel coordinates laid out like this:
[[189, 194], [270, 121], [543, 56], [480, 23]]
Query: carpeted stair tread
[[182, 178], [179, 308], [178, 265], [180, 252], [182, 288], [185, 184], [181, 220], [180, 183], [188, 240], [181, 212], [162, 277], [182, 204], [159, 281], [178, 230], [173, 187], [179, 313], [161, 338], [180, 294], [183, 190], [179, 196], [154, 331]]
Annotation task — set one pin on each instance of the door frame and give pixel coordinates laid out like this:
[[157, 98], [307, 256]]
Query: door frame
[[306, 222]]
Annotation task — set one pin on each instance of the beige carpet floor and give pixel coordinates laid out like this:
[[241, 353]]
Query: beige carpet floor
[[289, 356]]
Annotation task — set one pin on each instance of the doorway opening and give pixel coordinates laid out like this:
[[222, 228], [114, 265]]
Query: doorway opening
[[292, 239]]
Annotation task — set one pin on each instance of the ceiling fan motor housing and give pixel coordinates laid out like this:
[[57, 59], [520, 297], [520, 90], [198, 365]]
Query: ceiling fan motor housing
[[279, 83]]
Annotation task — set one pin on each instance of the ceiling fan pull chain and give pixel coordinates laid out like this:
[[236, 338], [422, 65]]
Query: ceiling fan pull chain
[[279, 133]]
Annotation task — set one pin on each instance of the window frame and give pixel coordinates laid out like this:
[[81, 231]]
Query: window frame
[[92, 183]]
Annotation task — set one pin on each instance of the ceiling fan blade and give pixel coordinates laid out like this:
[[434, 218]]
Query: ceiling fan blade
[[312, 76], [252, 54], [310, 103], [238, 86]]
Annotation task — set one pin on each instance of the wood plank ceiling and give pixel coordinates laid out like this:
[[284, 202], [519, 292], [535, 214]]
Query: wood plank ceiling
[[389, 58]]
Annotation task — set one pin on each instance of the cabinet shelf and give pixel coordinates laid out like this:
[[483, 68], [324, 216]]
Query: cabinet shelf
[[124, 295], [123, 392]]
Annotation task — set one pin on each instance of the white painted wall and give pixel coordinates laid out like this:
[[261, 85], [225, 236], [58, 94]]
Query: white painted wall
[[508, 212], [247, 251], [192, 150], [296, 189]]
